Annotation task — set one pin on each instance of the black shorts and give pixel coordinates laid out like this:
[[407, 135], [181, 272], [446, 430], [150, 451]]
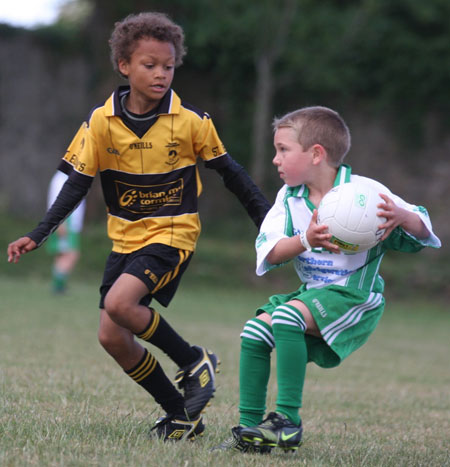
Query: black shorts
[[159, 266]]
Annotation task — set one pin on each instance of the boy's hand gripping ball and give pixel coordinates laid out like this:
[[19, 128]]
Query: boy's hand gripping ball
[[350, 212]]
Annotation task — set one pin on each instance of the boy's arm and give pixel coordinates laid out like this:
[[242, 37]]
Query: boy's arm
[[398, 217], [408, 227], [239, 183], [71, 194], [290, 247], [19, 247], [276, 244]]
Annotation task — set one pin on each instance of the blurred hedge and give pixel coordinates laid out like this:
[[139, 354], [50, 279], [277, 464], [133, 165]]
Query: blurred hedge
[[225, 258]]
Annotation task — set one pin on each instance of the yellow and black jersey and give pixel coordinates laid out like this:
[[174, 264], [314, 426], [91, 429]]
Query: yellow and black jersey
[[150, 183], [148, 173]]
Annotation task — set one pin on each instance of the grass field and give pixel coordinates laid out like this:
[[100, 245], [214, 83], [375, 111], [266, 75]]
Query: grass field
[[63, 401]]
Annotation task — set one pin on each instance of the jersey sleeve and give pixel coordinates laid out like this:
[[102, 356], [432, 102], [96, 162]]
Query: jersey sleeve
[[237, 180], [212, 151], [81, 155], [400, 239], [68, 199], [207, 143], [273, 229], [71, 193]]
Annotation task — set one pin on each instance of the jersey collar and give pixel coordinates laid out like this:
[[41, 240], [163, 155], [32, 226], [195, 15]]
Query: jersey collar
[[343, 175], [170, 103], [302, 191]]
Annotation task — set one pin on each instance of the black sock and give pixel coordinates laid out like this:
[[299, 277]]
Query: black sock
[[162, 335], [149, 375]]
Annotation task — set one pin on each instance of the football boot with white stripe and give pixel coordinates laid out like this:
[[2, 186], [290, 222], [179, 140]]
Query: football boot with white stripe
[[275, 430], [197, 381]]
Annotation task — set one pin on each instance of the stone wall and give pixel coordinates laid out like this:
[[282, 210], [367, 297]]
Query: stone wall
[[43, 99]]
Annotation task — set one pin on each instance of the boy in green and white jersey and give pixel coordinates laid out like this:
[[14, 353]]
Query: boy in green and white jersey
[[64, 243], [341, 298]]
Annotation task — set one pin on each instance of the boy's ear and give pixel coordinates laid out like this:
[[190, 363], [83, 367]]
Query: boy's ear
[[319, 153], [123, 67]]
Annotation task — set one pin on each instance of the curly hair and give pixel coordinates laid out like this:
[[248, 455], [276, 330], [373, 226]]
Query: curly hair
[[134, 27]]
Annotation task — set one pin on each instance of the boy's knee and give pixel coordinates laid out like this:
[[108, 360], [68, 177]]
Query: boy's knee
[[257, 330], [288, 315], [113, 343], [116, 307], [106, 340], [264, 317], [306, 316]]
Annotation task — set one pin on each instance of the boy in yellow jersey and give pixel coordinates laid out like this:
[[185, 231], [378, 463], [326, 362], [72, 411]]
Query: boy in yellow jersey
[[145, 142]]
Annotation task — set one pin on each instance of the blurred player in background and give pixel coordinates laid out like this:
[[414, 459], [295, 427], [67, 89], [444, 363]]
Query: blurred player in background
[[64, 244]]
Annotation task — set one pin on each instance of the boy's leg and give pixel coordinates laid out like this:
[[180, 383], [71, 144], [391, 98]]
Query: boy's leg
[[289, 328], [140, 365], [283, 428], [160, 267], [123, 307], [198, 366], [65, 245], [254, 370], [120, 344], [123, 318], [59, 279], [62, 268]]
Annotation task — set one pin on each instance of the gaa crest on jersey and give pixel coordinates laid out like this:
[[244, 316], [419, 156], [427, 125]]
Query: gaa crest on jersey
[[173, 156]]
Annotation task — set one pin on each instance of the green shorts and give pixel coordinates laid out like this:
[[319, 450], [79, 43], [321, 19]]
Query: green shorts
[[57, 244], [346, 317]]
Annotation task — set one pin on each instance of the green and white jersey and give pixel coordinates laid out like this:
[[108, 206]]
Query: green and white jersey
[[73, 223], [292, 213]]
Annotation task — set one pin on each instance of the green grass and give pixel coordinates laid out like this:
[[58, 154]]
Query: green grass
[[63, 401]]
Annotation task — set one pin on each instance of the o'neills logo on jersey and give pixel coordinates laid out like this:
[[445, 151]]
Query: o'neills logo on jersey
[[141, 145], [320, 308], [149, 198]]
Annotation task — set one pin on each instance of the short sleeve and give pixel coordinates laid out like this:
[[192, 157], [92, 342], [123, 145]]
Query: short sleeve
[[207, 143], [82, 151], [272, 230]]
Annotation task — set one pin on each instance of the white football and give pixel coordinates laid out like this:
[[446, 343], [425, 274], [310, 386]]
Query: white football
[[350, 212]]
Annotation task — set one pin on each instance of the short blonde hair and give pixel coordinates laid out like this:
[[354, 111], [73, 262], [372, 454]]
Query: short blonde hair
[[319, 125]]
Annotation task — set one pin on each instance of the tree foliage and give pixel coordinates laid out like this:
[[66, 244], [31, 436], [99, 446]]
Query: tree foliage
[[262, 58]]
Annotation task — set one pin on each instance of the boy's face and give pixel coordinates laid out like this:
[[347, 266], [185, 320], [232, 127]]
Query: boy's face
[[150, 70], [292, 161]]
